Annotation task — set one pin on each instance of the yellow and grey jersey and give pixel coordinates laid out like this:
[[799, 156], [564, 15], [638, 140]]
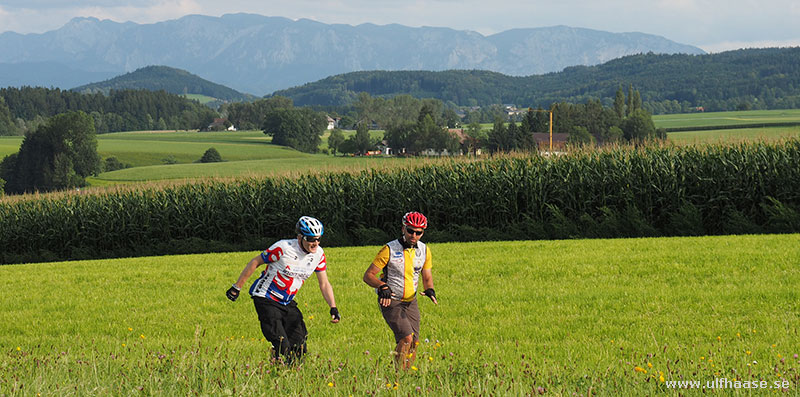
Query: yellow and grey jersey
[[401, 267]]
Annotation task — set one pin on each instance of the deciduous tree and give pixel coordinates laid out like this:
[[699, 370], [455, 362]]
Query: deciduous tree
[[299, 128], [58, 155]]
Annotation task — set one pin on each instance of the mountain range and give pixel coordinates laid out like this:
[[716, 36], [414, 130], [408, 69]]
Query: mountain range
[[258, 55]]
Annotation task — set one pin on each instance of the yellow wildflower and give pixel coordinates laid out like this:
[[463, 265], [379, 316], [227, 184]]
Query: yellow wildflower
[[649, 365], [330, 384]]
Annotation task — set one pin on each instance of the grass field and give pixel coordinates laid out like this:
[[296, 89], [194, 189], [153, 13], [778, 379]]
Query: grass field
[[9, 145], [726, 118], [586, 317], [733, 135], [302, 164], [199, 98]]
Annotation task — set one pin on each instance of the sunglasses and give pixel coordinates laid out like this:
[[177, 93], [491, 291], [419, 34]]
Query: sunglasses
[[311, 239], [414, 232]]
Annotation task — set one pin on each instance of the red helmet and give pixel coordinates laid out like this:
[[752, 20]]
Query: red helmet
[[415, 219]]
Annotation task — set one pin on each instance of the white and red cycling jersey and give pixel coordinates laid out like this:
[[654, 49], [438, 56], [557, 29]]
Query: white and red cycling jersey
[[288, 267]]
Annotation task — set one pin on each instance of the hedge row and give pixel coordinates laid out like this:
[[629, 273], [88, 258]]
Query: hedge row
[[624, 192]]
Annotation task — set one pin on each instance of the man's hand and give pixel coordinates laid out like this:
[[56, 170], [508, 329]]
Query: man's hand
[[233, 293], [430, 293], [384, 295], [335, 317]]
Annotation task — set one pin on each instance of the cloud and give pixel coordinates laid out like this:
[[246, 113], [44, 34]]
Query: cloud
[[52, 14], [71, 4], [144, 11]]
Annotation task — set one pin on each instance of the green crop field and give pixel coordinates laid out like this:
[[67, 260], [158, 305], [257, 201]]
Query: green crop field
[[580, 317], [726, 118], [733, 135]]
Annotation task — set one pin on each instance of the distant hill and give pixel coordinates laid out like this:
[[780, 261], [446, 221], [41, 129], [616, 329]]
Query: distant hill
[[258, 54], [756, 78], [174, 81]]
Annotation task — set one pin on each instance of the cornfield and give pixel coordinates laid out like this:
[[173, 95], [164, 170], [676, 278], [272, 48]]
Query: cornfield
[[620, 192]]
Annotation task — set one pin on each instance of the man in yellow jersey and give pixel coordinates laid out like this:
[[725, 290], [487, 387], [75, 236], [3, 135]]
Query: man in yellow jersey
[[400, 262]]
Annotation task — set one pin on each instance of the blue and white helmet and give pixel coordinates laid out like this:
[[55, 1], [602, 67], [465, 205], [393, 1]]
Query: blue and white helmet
[[308, 226]]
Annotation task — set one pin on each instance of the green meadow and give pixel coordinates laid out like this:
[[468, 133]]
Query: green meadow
[[567, 317], [733, 135], [705, 119], [199, 98], [9, 145], [301, 164]]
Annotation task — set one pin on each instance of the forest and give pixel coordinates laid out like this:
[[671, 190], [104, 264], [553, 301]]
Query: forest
[[26, 108], [734, 80]]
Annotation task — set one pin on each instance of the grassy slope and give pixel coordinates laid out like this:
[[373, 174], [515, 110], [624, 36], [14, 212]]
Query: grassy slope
[[736, 135], [513, 316], [9, 145], [726, 118]]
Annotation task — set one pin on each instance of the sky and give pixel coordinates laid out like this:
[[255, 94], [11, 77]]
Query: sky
[[713, 25]]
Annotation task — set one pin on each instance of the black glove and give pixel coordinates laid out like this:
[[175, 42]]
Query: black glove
[[335, 314], [232, 293], [430, 293], [384, 292]]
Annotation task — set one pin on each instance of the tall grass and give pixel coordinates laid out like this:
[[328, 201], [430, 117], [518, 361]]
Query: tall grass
[[514, 318]]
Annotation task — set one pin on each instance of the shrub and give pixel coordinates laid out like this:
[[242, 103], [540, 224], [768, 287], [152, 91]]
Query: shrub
[[211, 156], [112, 164]]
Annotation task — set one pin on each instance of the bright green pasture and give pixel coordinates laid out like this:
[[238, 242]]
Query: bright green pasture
[[199, 98], [301, 164], [9, 145], [705, 119], [733, 135], [586, 317], [152, 148]]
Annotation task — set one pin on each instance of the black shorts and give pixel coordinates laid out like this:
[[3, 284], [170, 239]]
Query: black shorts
[[282, 325]]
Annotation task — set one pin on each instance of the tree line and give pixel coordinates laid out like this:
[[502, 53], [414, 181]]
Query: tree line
[[25, 109]]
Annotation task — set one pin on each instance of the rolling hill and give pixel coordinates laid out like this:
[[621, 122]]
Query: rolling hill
[[174, 81], [734, 80]]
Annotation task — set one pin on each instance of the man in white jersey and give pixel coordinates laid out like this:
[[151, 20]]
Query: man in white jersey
[[289, 263], [401, 262]]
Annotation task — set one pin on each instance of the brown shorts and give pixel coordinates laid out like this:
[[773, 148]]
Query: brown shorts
[[403, 319]]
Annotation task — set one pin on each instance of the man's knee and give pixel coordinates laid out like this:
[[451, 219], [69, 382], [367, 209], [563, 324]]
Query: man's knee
[[407, 340]]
